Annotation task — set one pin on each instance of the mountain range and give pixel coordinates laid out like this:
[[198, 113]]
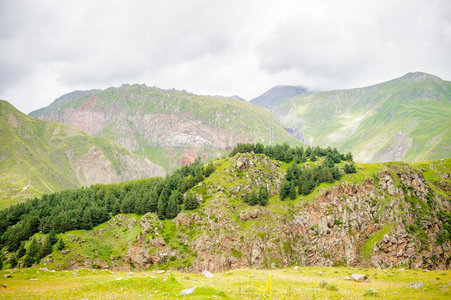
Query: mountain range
[[407, 118], [402, 119], [168, 126]]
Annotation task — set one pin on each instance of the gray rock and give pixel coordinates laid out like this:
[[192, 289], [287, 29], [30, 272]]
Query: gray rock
[[187, 291], [415, 285], [361, 278], [207, 273]]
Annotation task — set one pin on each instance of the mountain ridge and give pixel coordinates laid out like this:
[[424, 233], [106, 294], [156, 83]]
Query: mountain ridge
[[405, 118], [39, 157], [149, 119]]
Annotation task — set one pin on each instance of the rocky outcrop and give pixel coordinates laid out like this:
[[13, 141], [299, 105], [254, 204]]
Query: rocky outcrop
[[335, 229]]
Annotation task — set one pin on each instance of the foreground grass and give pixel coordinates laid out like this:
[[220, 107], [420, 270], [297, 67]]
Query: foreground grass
[[304, 283]]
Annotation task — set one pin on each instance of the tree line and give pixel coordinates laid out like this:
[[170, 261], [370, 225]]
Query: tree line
[[85, 208], [283, 152]]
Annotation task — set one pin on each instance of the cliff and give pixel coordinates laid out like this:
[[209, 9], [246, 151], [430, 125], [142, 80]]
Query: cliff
[[386, 215]]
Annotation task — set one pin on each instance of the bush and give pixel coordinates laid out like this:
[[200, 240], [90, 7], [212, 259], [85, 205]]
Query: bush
[[328, 286], [371, 293]]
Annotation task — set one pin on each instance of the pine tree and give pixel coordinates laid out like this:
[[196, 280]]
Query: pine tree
[[161, 209], [32, 254], [61, 245], [21, 252], [46, 248], [253, 198], [209, 169], [190, 202], [292, 192], [263, 196], [173, 206], [13, 261], [52, 237], [152, 202], [285, 190]]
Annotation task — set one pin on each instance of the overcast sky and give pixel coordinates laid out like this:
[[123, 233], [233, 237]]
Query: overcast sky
[[215, 47]]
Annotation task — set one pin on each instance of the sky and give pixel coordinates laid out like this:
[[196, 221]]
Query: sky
[[50, 48]]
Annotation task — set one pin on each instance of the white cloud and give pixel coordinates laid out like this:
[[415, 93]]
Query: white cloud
[[48, 48]]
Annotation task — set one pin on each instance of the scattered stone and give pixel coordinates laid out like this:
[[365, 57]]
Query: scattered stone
[[3, 285], [402, 270], [120, 278], [161, 271], [415, 285], [34, 279], [46, 270], [187, 291], [75, 274], [347, 278], [207, 273], [64, 252], [7, 275], [296, 267], [361, 278]]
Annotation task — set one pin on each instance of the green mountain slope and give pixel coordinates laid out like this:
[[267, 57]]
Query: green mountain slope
[[403, 119], [169, 126], [39, 157], [386, 215]]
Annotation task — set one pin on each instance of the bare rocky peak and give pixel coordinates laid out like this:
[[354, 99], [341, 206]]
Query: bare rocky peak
[[418, 76]]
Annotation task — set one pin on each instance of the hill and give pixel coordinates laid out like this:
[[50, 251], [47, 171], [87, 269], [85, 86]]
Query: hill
[[403, 119], [278, 95], [385, 215], [169, 126], [38, 157]]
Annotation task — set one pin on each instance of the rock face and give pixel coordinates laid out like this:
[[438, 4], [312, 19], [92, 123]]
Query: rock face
[[138, 117], [397, 207]]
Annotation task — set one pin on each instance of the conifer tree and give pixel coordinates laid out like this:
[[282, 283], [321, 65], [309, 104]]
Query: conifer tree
[[46, 248], [61, 245], [190, 202], [292, 192], [173, 207], [52, 237], [21, 252], [263, 196]]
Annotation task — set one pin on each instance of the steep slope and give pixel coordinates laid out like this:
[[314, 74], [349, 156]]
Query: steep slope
[[278, 95], [386, 215], [403, 119], [169, 124], [39, 157]]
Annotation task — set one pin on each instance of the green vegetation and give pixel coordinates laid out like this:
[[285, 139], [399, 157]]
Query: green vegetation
[[40, 157], [237, 284], [150, 115], [367, 249], [408, 116], [86, 208]]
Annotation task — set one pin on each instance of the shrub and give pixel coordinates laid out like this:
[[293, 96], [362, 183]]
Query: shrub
[[371, 293]]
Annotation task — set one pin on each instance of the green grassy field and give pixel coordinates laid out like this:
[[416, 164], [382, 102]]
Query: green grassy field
[[304, 283]]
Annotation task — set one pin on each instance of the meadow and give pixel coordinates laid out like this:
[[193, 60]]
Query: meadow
[[290, 283]]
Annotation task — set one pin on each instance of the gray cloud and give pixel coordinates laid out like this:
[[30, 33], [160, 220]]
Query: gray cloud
[[48, 48]]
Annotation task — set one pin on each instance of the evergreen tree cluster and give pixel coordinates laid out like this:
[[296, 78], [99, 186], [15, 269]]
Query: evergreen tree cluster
[[302, 181], [87, 207], [287, 154], [257, 198]]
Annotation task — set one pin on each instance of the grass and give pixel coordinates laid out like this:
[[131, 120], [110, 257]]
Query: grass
[[304, 283], [367, 249]]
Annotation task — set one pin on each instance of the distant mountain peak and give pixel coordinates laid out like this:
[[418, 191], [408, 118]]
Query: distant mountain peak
[[418, 76], [278, 94]]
